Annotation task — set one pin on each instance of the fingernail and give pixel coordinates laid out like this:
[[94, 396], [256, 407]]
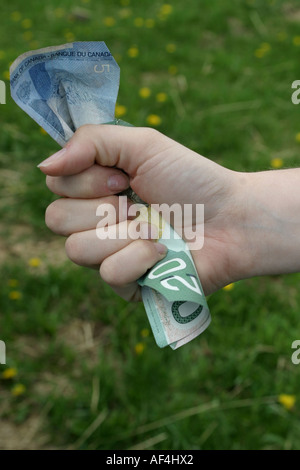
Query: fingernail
[[117, 182], [162, 249], [148, 232], [53, 158]]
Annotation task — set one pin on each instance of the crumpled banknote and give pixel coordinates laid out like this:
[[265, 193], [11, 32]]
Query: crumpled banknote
[[64, 87]]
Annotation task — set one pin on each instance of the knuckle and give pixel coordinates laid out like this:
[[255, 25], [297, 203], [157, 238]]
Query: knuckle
[[108, 272], [50, 182], [55, 217], [146, 250], [54, 183], [73, 249], [150, 134], [84, 129]]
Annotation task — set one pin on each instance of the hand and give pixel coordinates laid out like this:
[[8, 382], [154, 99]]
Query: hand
[[159, 170]]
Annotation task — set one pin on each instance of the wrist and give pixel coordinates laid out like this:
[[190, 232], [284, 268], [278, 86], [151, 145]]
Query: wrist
[[268, 220]]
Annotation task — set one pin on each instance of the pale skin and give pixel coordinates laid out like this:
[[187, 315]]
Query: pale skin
[[252, 220]]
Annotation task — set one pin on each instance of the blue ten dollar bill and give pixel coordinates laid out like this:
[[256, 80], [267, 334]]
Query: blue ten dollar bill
[[64, 87]]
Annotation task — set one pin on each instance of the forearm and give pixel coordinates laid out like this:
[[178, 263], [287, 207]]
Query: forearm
[[270, 221]]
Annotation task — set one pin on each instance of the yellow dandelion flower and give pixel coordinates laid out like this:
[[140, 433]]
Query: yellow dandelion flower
[[16, 16], [172, 69], [15, 295], [139, 348], [145, 332], [18, 389], [133, 52], [265, 46], [229, 286], [6, 75], [120, 110], [34, 262], [297, 137], [149, 23], [144, 92], [109, 21], [125, 3], [166, 9], [28, 35], [42, 131], [259, 53], [171, 48], [34, 44], [287, 401], [296, 41], [125, 12], [70, 37], [161, 97], [153, 120], [2, 54], [281, 36], [13, 282], [59, 12], [9, 373], [276, 162], [262, 50], [138, 22], [26, 23]]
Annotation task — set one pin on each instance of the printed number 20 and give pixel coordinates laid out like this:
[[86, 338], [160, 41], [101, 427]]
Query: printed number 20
[[165, 282]]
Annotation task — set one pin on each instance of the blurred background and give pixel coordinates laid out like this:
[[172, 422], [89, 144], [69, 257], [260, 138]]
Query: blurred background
[[83, 370]]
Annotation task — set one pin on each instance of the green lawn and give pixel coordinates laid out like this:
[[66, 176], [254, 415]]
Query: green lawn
[[85, 371]]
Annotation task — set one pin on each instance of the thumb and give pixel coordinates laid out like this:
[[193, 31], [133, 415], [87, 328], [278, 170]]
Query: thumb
[[124, 147]]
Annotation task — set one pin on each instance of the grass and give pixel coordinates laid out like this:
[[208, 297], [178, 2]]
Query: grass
[[93, 376]]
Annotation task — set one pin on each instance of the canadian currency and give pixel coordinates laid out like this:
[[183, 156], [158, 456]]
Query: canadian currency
[[64, 87], [173, 295]]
